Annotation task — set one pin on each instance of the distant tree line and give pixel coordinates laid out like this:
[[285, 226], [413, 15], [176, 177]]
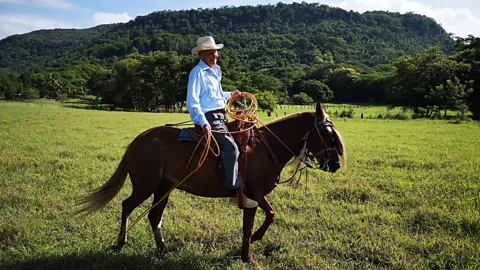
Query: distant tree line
[[427, 83]]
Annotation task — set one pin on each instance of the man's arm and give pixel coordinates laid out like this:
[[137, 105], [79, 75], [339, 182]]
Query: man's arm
[[193, 99], [234, 94]]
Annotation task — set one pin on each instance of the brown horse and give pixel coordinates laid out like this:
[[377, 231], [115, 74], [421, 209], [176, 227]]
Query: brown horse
[[155, 161]]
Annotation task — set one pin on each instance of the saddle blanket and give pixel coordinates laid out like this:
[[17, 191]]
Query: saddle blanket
[[185, 136]]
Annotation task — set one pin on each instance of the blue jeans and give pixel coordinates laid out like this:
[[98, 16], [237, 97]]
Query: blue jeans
[[228, 148]]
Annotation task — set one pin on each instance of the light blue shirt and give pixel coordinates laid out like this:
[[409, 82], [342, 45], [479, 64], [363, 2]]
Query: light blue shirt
[[204, 92]]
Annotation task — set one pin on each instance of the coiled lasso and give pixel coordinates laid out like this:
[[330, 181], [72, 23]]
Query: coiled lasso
[[246, 113]]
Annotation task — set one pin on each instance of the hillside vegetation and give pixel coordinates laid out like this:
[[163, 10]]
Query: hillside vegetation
[[283, 53], [257, 37]]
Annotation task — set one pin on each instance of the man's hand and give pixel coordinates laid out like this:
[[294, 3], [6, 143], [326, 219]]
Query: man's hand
[[206, 129], [236, 95]]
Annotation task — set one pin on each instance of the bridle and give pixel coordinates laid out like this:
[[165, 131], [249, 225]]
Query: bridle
[[319, 127], [309, 159]]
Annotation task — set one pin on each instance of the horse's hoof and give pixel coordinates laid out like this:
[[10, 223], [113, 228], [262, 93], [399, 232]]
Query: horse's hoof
[[252, 262], [161, 252], [116, 248], [255, 238]]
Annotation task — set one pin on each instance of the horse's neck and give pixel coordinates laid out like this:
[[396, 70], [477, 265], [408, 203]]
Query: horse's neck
[[287, 136]]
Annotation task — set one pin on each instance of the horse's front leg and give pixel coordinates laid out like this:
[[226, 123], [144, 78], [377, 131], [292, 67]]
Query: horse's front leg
[[248, 219], [269, 217]]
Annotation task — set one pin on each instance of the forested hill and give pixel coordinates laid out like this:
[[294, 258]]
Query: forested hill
[[257, 37], [45, 47]]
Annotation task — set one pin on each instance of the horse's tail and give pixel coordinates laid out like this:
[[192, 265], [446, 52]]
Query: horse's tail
[[101, 196]]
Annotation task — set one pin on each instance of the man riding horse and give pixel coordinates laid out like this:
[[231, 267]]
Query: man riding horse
[[206, 103], [309, 137]]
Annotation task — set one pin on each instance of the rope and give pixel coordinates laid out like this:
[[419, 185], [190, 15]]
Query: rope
[[248, 113]]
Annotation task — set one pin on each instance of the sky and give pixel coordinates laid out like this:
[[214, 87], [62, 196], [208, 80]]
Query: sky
[[460, 17]]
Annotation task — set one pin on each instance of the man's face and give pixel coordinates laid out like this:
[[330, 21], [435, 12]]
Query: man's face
[[210, 57]]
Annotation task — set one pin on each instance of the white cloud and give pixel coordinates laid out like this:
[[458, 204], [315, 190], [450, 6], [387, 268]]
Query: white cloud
[[57, 4], [106, 18], [459, 21], [236, 3], [53, 4], [15, 2], [20, 24], [11, 24]]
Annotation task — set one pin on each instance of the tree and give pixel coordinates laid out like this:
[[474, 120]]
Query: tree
[[9, 86], [267, 101], [268, 83], [145, 82], [371, 87], [319, 91], [100, 84], [469, 53], [126, 91], [57, 87], [450, 95], [302, 98], [416, 79], [39, 82], [341, 81]]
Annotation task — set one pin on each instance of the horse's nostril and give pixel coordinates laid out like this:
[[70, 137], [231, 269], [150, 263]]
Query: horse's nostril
[[334, 167]]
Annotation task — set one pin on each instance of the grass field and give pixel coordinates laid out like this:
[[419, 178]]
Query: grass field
[[409, 199]]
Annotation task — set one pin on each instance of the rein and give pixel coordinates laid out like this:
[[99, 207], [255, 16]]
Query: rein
[[305, 156], [249, 114]]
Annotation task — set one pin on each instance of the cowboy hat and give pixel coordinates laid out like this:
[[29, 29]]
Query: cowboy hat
[[206, 43]]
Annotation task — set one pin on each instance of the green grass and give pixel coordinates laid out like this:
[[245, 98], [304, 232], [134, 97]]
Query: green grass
[[409, 199]]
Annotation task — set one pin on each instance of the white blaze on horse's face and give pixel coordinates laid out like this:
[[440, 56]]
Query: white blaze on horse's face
[[324, 145]]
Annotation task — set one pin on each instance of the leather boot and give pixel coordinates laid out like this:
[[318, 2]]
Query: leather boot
[[242, 201]]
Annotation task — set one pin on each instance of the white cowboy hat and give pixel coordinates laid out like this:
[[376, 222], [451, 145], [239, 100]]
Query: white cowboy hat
[[206, 43]]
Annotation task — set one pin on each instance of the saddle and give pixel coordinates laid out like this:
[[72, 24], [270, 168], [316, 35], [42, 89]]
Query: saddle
[[244, 141]]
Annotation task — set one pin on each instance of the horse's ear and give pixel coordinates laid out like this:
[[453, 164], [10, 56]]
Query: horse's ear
[[319, 111]]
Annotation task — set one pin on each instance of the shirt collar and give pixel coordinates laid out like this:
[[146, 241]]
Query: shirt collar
[[204, 66]]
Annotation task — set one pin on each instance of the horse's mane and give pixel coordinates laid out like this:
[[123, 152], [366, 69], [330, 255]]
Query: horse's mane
[[286, 117], [343, 157], [327, 117]]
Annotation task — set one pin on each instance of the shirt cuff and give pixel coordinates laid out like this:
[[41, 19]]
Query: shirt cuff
[[203, 121], [227, 95]]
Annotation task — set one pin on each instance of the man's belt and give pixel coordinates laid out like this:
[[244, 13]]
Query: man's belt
[[217, 111]]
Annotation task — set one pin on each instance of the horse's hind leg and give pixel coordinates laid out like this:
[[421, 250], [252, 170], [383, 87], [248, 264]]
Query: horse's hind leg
[[269, 217], [138, 196], [248, 219], [155, 215]]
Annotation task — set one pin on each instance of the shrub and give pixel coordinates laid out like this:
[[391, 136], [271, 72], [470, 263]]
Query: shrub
[[347, 114], [397, 116]]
